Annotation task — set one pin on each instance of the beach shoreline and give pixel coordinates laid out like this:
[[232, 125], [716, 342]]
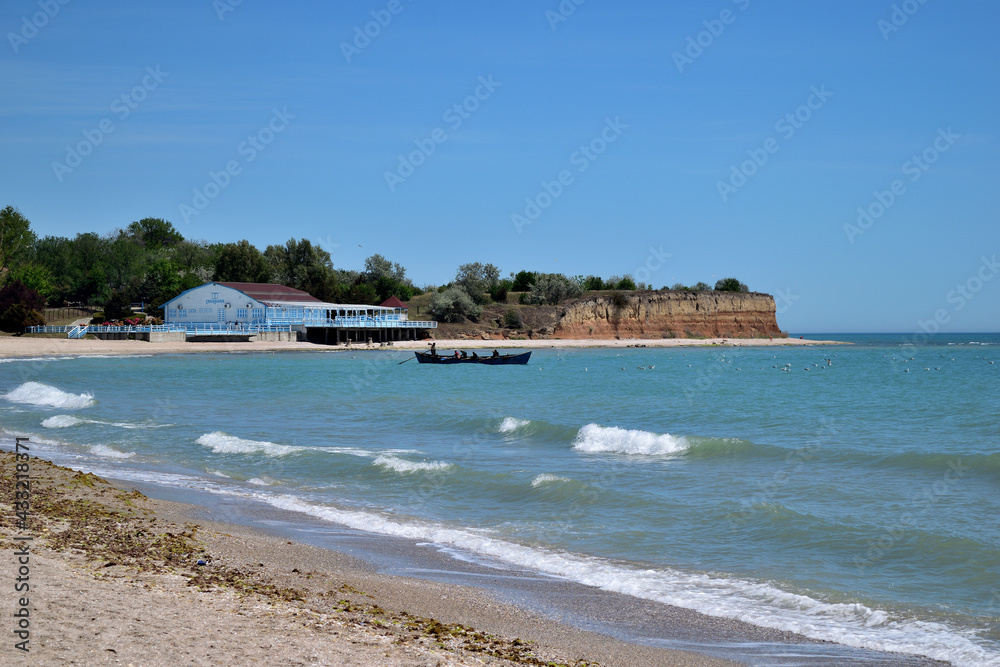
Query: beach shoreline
[[24, 346], [268, 598], [255, 598]]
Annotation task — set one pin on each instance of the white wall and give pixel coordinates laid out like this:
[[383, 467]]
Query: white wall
[[213, 304]]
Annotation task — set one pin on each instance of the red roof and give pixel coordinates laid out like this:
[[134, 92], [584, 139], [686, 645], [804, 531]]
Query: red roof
[[269, 292], [393, 302]]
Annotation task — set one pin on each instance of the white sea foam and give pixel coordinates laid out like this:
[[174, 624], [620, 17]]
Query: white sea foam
[[62, 421], [257, 481], [404, 466], [753, 602], [510, 424], [36, 393], [596, 438], [109, 453], [223, 443], [546, 478]]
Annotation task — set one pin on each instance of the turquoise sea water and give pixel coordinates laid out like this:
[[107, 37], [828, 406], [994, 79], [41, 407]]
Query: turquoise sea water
[[848, 493]]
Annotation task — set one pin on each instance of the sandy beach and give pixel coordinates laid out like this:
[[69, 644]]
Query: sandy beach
[[25, 346], [115, 579]]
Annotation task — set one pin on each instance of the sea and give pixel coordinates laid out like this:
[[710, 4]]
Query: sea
[[848, 493]]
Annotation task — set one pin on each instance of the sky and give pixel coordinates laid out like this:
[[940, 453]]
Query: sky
[[841, 155]]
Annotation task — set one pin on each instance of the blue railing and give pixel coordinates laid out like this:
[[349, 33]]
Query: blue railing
[[81, 330]]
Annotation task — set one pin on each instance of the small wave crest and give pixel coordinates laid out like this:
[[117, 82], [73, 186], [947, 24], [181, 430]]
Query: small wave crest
[[511, 424], [223, 443], [37, 393], [109, 453], [61, 421], [404, 466], [546, 478], [595, 438]]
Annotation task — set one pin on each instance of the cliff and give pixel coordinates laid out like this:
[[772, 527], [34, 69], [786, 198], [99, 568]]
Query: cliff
[[668, 315]]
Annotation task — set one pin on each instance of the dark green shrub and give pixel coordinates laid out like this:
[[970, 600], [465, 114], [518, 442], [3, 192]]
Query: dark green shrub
[[512, 319]]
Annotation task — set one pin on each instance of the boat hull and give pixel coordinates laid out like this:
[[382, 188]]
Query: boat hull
[[503, 360]]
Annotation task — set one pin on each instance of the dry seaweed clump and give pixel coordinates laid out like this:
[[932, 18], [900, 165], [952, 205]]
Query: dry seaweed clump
[[115, 532]]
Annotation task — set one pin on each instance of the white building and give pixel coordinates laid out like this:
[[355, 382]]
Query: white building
[[260, 306]]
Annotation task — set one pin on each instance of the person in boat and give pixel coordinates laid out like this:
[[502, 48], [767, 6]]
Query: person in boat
[[434, 351], [456, 354], [475, 355], [465, 355], [495, 354]]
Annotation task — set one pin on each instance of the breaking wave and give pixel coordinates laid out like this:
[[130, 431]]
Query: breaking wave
[[37, 393], [595, 438], [223, 443], [404, 466]]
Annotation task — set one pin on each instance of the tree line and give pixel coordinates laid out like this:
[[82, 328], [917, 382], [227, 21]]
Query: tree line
[[150, 262]]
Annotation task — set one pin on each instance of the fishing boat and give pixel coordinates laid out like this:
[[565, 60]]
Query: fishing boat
[[500, 360]]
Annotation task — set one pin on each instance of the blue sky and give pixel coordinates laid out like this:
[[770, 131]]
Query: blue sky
[[694, 141]]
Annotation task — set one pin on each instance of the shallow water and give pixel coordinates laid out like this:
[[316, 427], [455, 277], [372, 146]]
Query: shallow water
[[852, 497]]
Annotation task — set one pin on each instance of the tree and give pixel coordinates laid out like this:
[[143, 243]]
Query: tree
[[154, 233], [454, 305], [300, 264], [700, 287], [730, 285], [16, 239], [20, 307], [626, 283], [478, 280], [592, 284], [388, 278], [118, 306], [523, 281], [241, 263], [125, 262], [551, 288]]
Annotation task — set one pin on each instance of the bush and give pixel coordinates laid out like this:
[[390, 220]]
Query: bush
[[700, 287], [552, 288], [512, 320], [523, 281], [730, 285], [118, 307], [499, 291], [454, 305], [626, 283], [593, 284]]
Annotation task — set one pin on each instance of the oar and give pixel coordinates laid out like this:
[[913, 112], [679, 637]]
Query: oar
[[403, 362]]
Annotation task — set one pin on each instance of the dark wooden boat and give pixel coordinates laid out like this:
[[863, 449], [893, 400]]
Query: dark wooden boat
[[502, 360]]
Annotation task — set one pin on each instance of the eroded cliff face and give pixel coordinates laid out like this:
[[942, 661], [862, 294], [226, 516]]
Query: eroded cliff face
[[670, 314]]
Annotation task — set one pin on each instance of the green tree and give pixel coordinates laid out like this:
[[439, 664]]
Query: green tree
[[478, 280], [299, 264], [20, 307], [523, 281], [730, 285], [241, 262], [388, 278], [118, 306], [454, 305], [551, 288], [593, 284], [626, 283], [154, 233], [700, 287], [16, 239]]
